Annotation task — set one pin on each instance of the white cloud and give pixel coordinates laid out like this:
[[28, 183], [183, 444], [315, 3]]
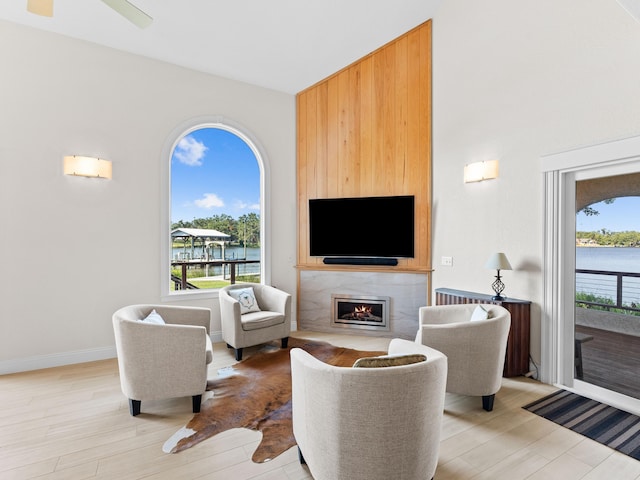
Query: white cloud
[[190, 151], [240, 205], [209, 200]]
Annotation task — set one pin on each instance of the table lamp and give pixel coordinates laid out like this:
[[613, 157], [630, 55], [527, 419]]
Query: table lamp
[[498, 261]]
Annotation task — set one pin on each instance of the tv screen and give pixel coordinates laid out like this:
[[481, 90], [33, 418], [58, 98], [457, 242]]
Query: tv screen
[[362, 227]]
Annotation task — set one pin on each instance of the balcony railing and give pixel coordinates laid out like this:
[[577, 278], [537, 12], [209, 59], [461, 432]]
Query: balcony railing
[[621, 288], [182, 282]]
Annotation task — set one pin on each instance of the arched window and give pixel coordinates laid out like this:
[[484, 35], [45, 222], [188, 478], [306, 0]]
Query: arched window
[[214, 224]]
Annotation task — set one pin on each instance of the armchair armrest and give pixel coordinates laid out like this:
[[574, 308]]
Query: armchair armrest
[[179, 315], [274, 300], [229, 312], [443, 314]]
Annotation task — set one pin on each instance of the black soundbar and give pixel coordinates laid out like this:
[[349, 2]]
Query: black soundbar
[[360, 261]]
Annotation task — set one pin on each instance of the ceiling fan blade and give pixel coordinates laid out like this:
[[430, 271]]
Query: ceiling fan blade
[[40, 7], [130, 12], [632, 7]]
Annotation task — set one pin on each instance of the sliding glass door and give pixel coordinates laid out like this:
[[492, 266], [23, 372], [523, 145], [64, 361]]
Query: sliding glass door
[[607, 282], [590, 330]]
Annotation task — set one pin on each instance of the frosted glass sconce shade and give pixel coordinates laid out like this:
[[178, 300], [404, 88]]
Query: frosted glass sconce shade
[[87, 166], [478, 171], [40, 7]]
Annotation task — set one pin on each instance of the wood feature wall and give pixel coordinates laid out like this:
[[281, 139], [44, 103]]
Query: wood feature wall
[[366, 131]]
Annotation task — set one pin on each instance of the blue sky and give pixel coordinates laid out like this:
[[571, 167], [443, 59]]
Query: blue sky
[[213, 171], [620, 216]]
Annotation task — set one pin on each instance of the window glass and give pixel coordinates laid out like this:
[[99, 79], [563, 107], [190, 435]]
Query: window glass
[[215, 228]]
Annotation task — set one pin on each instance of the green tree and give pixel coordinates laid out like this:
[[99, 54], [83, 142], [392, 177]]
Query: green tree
[[181, 224], [245, 227], [589, 211]]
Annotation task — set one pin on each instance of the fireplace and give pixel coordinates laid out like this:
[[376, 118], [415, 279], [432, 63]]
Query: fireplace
[[360, 311]]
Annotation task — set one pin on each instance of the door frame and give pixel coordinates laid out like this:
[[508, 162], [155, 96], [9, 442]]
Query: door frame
[[560, 173]]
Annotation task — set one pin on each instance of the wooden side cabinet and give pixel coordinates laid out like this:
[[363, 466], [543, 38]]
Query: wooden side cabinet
[[516, 361]]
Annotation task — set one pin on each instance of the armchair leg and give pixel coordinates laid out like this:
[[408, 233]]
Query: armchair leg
[[487, 402], [285, 342], [301, 457], [134, 407], [238, 354], [196, 401]]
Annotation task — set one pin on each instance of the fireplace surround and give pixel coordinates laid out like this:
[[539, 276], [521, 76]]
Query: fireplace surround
[[407, 291]]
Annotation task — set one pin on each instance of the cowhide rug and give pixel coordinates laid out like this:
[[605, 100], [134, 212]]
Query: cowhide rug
[[257, 396]]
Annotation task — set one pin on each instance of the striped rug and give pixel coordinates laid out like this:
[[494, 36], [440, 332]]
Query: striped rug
[[608, 425]]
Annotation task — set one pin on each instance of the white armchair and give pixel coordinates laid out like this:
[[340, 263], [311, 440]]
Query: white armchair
[[369, 423], [162, 360], [475, 349], [267, 317]]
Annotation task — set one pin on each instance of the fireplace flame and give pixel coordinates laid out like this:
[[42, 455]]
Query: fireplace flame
[[362, 311]]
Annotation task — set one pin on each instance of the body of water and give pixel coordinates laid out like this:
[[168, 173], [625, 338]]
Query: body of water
[[623, 259]]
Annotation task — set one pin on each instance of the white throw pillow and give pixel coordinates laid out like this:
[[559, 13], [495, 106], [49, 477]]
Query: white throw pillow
[[247, 299], [479, 314], [154, 317]]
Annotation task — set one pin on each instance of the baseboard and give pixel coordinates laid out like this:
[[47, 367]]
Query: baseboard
[[56, 360], [67, 358], [216, 337]]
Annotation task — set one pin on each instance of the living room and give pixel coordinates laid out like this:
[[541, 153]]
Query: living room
[[510, 82]]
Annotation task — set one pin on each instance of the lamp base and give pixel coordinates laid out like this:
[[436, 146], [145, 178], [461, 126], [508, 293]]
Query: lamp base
[[498, 287]]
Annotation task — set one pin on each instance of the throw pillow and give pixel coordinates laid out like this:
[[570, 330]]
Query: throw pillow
[[153, 317], [389, 360], [479, 314], [247, 299]]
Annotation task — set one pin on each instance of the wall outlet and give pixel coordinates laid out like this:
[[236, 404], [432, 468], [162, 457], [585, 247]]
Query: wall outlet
[[447, 261]]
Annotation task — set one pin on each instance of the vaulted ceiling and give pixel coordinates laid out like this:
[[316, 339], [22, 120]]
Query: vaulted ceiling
[[285, 45]]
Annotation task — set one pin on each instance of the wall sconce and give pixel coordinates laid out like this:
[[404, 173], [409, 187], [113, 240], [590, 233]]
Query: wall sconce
[[498, 261], [479, 171], [87, 166], [40, 7]]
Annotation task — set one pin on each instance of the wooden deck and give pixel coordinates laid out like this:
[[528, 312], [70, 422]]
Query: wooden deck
[[612, 361]]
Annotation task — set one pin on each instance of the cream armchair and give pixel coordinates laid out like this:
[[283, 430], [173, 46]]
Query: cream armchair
[[369, 423], [475, 349], [268, 316], [162, 360]]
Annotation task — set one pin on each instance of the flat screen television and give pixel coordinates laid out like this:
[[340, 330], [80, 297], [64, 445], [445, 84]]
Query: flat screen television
[[375, 227]]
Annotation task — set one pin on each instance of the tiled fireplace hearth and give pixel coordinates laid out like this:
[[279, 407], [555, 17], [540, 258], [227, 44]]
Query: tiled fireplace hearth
[[389, 302]]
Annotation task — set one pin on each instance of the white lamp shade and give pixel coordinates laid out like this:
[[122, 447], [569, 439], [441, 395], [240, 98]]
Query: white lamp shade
[[87, 166], [478, 171], [498, 261]]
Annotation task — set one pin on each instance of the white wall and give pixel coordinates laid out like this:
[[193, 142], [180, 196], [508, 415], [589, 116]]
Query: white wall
[[514, 81], [75, 249]]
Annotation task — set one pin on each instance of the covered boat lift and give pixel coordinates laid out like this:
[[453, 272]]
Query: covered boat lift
[[209, 238]]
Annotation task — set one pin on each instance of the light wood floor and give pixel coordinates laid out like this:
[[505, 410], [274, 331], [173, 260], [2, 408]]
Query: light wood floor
[[73, 423]]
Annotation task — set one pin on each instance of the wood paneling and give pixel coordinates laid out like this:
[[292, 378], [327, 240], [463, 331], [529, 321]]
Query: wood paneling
[[366, 131]]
